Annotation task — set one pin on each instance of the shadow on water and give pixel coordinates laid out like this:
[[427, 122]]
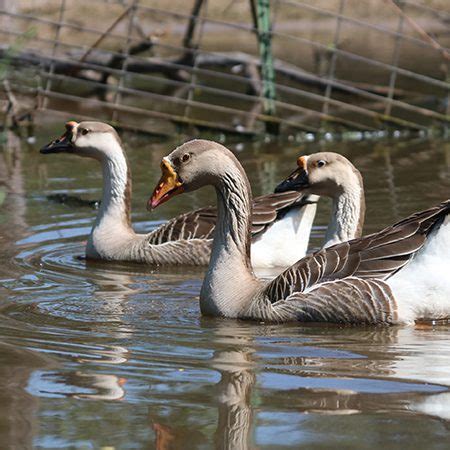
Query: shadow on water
[[117, 355]]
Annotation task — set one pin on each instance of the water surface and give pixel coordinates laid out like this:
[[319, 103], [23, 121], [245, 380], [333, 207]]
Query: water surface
[[113, 355]]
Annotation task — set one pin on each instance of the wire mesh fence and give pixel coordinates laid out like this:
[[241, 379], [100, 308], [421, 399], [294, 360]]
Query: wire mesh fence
[[235, 66]]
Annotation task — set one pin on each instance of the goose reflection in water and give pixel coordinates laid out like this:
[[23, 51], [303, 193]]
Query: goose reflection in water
[[88, 383], [405, 368], [236, 367], [399, 367], [13, 204], [18, 421], [382, 374], [232, 394], [85, 385]]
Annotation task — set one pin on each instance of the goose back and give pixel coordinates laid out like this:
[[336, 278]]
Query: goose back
[[378, 255]]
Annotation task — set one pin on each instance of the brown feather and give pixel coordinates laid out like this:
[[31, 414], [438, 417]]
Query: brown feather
[[199, 224], [378, 255]]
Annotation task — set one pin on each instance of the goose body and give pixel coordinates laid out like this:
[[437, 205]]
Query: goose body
[[185, 239], [421, 287], [366, 280]]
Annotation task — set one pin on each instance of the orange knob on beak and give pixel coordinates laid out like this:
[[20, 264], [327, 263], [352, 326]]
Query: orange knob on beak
[[71, 125], [302, 163], [168, 186]]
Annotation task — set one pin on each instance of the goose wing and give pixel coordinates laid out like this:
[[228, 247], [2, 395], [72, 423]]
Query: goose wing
[[269, 208], [376, 256], [199, 224], [350, 301]]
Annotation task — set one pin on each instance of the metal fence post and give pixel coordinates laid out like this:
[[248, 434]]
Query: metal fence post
[[267, 68]]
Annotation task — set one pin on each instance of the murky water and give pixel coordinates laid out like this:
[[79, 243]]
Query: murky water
[[118, 356]]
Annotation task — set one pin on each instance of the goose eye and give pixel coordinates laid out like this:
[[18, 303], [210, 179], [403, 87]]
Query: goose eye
[[185, 157], [321, 163], [84, 131]]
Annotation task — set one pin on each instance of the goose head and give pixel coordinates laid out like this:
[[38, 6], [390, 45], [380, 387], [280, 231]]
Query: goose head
[[195, 164], [325, 173], [90, 139]]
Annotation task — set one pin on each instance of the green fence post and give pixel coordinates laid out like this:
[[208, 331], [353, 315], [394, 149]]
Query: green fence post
[[267, 69]]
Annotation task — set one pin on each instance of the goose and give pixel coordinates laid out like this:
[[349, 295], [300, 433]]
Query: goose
[[332, 175], [186, 239], [380, 278]]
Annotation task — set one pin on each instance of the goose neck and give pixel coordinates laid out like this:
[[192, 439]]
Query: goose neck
[[229, 282], [116, 198], [111, 233], [347, 215]]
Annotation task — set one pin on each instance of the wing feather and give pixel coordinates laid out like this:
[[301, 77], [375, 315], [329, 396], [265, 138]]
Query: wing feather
[[199, 224], [378, 255], [348, 301]]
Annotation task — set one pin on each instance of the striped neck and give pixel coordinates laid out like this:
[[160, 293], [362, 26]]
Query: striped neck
[[347, 215], [229, 281]]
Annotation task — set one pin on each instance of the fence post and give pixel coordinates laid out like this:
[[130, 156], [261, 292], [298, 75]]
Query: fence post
[[395, 61], [48, 84], [264, 34], [333, 61], [131, 11], [198, 14]]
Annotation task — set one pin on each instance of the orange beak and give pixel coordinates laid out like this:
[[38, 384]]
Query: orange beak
[[168, 186]]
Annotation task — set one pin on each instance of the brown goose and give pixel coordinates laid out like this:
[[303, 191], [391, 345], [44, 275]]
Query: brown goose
[[332, 175], [380, 278], [185, 239]]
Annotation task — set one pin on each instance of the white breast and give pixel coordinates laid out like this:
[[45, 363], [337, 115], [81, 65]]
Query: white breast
[[285, 241], [422, 288]]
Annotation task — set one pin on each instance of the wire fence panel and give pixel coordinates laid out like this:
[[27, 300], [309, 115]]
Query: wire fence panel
[[233, 66]]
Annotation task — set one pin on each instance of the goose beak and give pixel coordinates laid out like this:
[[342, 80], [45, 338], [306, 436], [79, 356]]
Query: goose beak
[[298, 180], [168, 186], [62, 144]]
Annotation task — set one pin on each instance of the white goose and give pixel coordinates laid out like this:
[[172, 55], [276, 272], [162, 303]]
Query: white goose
[[186, 239], [395, 276]]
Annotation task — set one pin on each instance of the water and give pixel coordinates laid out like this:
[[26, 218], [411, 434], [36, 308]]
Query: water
[[117, 356]]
